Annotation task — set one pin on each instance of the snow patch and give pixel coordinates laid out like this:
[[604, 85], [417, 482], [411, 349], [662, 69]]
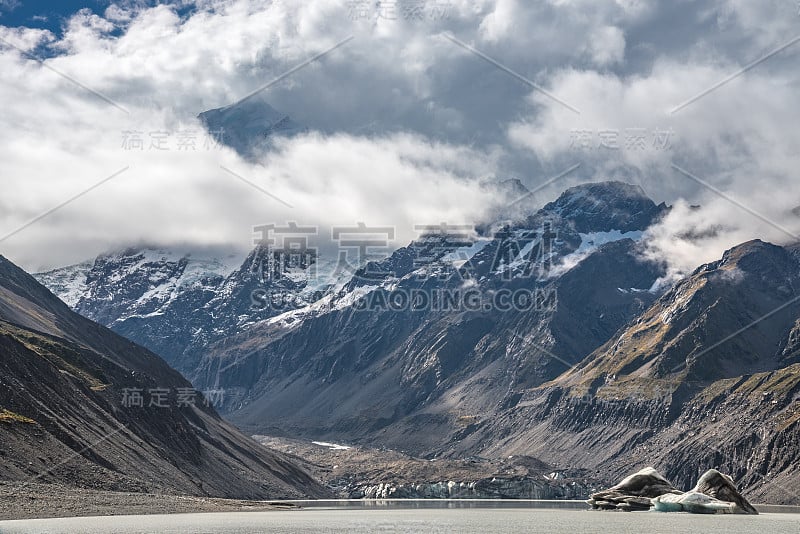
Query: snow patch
[[589, 244], [68, 283], [331, 446]]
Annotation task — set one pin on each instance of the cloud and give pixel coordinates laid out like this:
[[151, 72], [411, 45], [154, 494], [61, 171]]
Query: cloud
[[607, 45], [8, 5], [62, 136], [64, 133], [732, 151], [199, 195], [403, 121], [24, 39]]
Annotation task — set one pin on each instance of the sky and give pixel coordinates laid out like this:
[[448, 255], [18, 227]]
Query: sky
[[409, 107], [48, 15]]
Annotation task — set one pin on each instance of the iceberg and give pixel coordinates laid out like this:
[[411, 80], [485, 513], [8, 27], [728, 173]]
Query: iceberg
[[715, 493], [633, 492]]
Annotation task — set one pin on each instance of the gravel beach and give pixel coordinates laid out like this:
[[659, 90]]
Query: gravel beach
[[33, 501]]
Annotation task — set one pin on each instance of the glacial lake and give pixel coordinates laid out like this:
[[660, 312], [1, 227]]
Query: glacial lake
[[430, 517]]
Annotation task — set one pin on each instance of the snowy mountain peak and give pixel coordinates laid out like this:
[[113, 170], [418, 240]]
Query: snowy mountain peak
[[606, 206], [249, 125], [134, 281], [177, 303], [68, 283]]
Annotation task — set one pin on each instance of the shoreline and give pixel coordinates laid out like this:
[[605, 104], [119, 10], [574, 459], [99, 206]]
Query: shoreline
[[19, 501], [49, 501]]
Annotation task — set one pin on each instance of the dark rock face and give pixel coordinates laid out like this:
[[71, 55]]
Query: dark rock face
[[680, 332], [677, 389], [62, 381], [606, 206]]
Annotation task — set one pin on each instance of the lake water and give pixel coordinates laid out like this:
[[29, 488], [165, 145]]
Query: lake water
[[422, 517]]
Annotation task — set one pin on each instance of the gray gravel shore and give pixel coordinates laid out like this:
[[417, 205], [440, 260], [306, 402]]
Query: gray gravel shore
[[33, 501]]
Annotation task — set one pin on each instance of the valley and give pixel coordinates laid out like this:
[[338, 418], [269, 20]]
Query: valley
[[614, 373]]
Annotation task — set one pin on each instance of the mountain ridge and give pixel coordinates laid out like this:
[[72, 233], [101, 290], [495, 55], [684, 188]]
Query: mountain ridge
[[65, 379], [607, 372], [619, 410]]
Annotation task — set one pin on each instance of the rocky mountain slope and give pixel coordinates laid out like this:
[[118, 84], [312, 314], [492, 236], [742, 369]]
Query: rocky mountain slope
[[64, 417], [467, 335], [428, 352], [704, 376], [707, 377], [364, 364]]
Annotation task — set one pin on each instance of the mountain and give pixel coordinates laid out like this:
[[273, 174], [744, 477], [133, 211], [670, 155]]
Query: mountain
[[360, 365], [199, 314], [606, 206], [607, 376], [69, 414], [249, 126], [177, 302], [684, 335], [708, 376], [595, 368]]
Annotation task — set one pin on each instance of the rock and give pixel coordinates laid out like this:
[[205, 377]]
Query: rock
[[634, 492], [71, 375]]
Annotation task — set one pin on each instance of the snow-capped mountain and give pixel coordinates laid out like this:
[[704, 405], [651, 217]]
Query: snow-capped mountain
[[177, 302], [249, 126], [421, 351], [135, 282], [405, 336], [607, 375], [69, 283], [604, 207]]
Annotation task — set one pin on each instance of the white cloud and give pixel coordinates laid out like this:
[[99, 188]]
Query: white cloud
[[737, 143], [25, 39], [607, 45], [500, 22], [413, 99], [187, 197]]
